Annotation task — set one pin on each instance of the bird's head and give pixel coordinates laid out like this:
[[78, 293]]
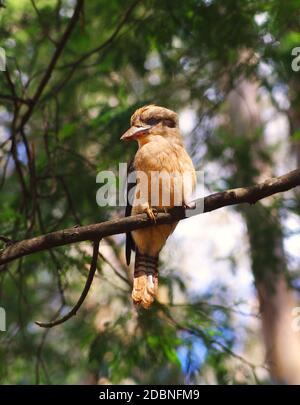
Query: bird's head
[[151, 122]]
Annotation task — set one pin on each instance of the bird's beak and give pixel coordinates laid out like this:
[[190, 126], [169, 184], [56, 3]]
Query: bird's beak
[[134, 132]]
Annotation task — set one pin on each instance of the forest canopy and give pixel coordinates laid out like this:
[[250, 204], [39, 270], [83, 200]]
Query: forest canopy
[[72, 74]]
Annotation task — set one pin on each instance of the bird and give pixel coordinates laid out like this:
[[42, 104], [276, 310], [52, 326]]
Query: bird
[[160, 152]]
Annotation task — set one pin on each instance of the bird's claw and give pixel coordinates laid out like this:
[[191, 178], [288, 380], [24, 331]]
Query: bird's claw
[[189, 206], [152, 213]]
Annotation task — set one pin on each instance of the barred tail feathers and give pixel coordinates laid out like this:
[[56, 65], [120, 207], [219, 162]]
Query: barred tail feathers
[[145, 280]]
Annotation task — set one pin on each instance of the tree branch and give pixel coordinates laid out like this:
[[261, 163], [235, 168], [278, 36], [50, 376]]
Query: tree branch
[[108, 41], [14, 98], [91, 232], [48, 73], [84, 293], [75, 64]]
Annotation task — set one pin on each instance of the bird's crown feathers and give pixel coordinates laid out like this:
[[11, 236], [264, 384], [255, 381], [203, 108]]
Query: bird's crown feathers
[[154, 113]]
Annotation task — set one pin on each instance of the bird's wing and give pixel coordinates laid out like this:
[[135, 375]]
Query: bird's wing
[[130, 245]]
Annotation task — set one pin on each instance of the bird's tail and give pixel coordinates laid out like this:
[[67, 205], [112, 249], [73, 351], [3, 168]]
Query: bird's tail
[[145, 279]]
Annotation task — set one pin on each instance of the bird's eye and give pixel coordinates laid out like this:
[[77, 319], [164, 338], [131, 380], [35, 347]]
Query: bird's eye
[[170, 123], [152, 121]]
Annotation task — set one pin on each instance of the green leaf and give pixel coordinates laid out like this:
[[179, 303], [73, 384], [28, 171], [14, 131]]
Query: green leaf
[[66, 131]]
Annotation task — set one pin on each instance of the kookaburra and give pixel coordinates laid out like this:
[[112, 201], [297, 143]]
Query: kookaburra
[[161, 151]]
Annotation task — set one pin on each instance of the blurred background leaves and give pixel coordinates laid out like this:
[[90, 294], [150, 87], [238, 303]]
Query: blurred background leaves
[[225, 67]]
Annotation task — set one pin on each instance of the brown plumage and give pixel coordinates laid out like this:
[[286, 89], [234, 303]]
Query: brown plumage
[[161, 150]]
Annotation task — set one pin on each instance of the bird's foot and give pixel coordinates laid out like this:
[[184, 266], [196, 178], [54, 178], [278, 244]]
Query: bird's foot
[[152, 213], [145, 287], [189, 206]]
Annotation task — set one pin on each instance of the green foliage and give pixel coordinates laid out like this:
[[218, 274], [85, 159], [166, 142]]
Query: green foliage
[[176, 53]]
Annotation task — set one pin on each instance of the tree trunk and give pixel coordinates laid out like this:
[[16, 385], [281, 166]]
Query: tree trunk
[[276, 299]]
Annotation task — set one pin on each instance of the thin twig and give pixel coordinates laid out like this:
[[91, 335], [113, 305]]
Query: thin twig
[[84, 293], [6, 240], [108, 41], [48, 73], [42, 22], [13, 99]]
